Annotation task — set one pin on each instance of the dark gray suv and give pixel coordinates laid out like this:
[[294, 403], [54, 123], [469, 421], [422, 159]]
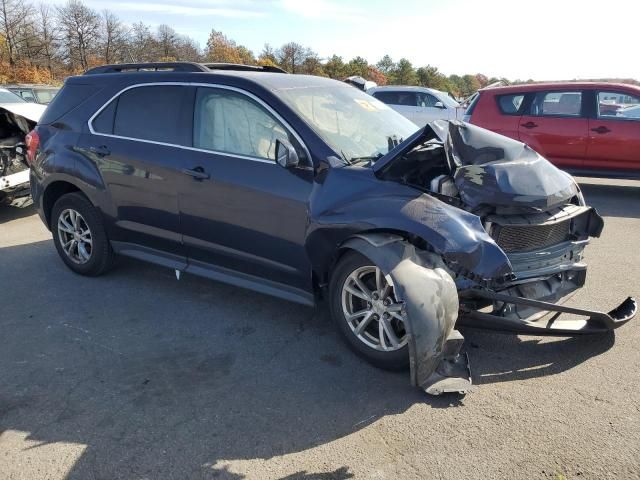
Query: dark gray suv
[[307, 188]]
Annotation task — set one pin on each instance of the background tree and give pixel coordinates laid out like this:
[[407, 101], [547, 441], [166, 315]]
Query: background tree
[[292, 55], [404, 73], [113, 42], [80, 28], [335, 68], [15, 20]]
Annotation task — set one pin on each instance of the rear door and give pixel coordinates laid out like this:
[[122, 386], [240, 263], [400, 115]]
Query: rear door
[[614, 132], [556, 126], [137, 144], [405, 103]]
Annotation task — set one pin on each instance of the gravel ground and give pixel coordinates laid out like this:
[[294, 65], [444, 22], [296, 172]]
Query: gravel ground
[[136, 375]]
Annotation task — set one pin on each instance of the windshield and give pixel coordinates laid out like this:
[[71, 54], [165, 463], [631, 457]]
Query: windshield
[[447, 100], [8, 97], [351, 122]]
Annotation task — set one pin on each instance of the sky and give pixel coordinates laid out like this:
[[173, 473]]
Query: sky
[[541, 40]]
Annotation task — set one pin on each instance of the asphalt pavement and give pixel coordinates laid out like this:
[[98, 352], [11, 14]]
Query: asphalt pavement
[[135, 375]]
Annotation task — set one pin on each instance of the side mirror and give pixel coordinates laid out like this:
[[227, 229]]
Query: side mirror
[[286, 155], [439, 105]]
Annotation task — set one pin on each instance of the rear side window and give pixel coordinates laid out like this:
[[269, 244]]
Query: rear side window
[[154, 113], [397, 98], [564, 104], [510, 104], [618, 105]]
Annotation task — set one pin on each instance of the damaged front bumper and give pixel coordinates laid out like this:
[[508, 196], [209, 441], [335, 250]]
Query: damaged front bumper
[[546, 317]]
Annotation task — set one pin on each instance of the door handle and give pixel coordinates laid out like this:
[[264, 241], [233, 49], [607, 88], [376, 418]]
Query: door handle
[[101, 151], [197, 172], [601, 129], [529, 125]]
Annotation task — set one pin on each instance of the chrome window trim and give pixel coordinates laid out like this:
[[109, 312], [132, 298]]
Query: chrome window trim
[[261, 102]]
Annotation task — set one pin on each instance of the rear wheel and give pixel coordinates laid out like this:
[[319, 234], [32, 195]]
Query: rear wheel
[[367, 312], [79, 235]]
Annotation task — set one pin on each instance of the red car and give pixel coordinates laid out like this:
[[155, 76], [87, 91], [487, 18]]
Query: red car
[[588, 129]]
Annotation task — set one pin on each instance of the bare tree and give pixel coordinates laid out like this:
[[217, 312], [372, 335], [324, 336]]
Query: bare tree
[[15, 16], [167, 39], [80, 27], [48, 32], [114, 38], [142, 45], [292, 55]]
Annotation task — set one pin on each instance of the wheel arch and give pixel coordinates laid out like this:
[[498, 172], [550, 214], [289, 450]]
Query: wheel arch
[[372, 236], [53, 191]]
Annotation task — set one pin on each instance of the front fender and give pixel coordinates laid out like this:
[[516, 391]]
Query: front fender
[[420, 280], [351, 200]]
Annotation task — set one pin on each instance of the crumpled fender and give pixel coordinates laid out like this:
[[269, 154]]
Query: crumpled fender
[[429, 294], [352, 200]]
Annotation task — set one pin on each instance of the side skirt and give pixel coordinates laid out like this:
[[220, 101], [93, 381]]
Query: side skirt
[[213, 272]]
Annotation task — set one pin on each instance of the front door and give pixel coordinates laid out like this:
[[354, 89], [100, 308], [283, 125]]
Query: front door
[[557, 128], [243, 216]]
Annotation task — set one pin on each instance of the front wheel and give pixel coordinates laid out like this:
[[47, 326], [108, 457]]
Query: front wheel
[[367, 312]]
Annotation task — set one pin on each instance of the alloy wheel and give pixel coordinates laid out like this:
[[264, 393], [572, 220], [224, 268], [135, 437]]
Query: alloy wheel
[[372, 311], [75, 236]]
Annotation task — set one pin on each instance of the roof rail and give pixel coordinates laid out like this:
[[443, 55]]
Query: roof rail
[[244, 68], [146, 67]]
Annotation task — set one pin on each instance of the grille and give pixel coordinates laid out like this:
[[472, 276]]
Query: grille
[[523, 238]]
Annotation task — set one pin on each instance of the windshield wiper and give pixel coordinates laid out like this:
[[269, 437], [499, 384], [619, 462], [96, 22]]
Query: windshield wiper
[[371, 158]]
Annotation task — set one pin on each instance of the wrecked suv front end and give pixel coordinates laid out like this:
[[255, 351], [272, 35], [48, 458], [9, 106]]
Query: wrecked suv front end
[[508, 227]]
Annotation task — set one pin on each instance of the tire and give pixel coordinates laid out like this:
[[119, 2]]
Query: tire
[[100, 254], [353, 264]]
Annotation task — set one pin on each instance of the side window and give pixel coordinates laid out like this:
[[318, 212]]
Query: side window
[[103, 123], [426, 100], [510, 104], [566, 104], [156, 113], [619, 105], [226, 121], [390, 98]]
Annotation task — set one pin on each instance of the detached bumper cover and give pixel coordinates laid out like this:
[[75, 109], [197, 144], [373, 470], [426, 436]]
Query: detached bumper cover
[[546, 321]]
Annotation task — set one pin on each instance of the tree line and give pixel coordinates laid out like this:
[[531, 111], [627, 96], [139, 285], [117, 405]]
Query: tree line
[[44, 43]]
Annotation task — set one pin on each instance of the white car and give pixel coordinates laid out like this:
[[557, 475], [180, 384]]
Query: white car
[[421, 105], [17, 118]]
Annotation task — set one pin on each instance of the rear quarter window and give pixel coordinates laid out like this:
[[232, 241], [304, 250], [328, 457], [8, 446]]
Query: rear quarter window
[[510, 104], [159, 113]]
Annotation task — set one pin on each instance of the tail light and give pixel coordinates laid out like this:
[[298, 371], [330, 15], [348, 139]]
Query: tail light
[[32, 140]]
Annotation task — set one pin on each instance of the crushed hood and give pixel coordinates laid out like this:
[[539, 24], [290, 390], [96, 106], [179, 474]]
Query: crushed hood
[[23, 115], [490, 169]]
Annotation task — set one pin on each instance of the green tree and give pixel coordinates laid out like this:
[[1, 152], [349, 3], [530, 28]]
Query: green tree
[[334, 67], [357, 66], [404, 73]]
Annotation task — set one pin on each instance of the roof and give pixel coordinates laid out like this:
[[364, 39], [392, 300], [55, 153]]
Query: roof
[[268, 80], [30, 85], [534, 87], [405, 88]]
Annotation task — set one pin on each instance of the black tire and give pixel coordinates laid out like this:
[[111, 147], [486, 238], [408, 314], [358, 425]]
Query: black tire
[[101, 255], [391, 360]]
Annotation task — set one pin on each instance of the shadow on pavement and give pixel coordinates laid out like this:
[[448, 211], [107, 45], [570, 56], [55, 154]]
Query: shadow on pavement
[[13, 213], [161, 378]]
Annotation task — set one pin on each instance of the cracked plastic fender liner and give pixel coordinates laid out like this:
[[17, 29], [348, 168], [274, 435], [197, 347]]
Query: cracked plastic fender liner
[[429, 294]]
